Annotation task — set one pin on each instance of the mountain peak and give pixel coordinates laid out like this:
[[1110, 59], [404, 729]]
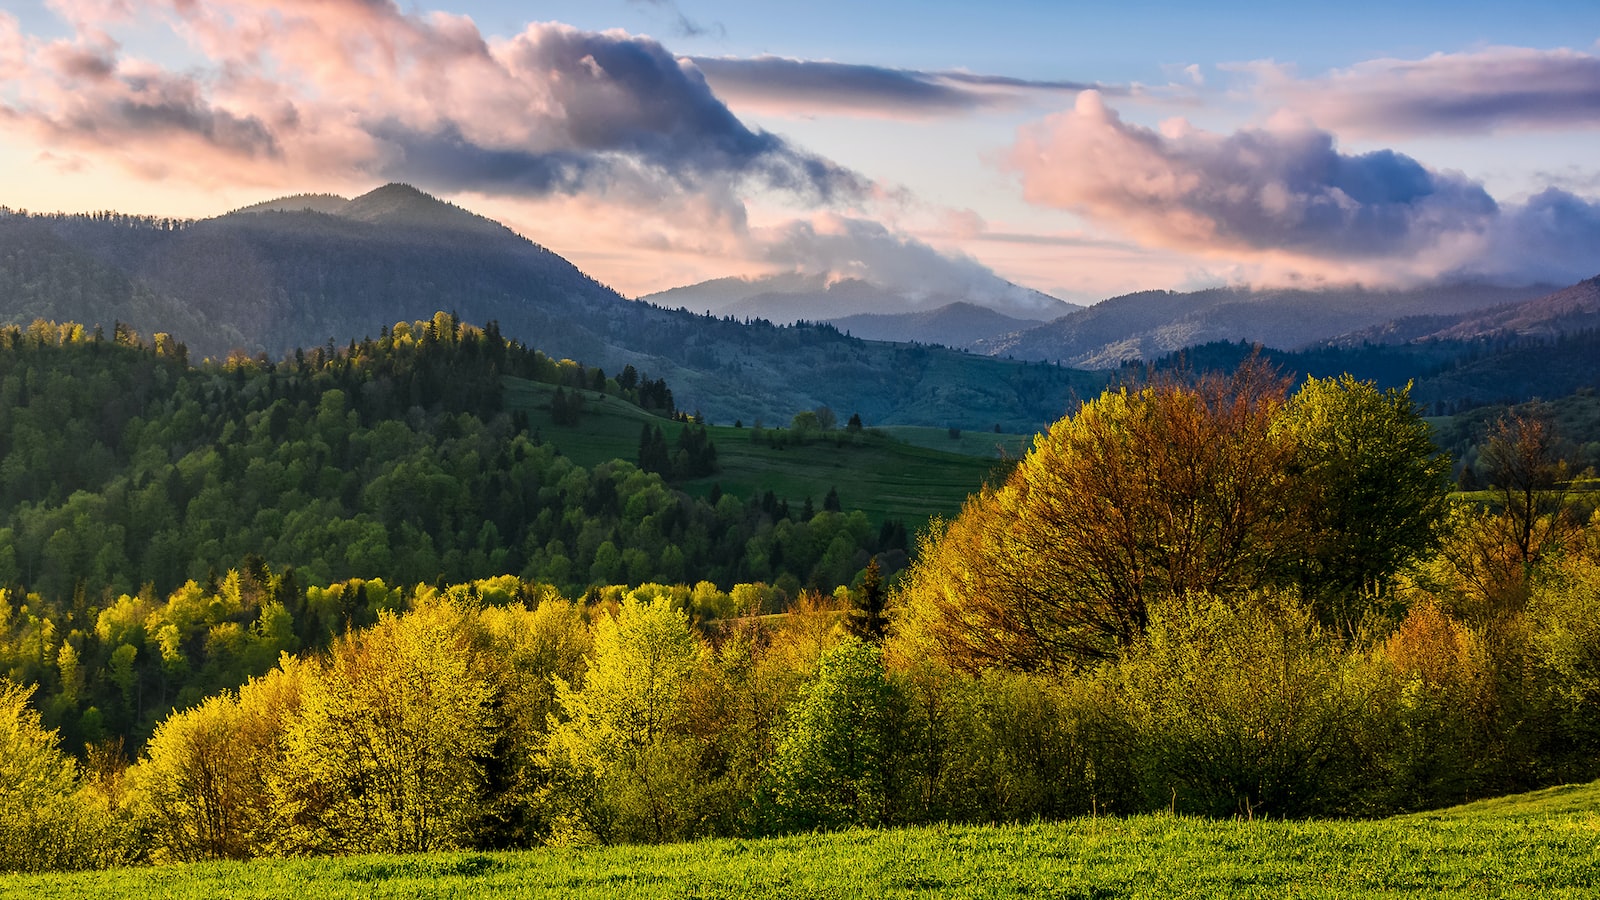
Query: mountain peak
[[402, 204]]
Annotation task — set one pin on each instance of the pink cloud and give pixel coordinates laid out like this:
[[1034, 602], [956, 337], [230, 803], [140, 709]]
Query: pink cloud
[[1284, 197], [297, 90]]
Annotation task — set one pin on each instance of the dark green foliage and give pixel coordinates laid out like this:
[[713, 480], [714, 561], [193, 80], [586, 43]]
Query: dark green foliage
[[837, 763], [124, 466], [867, 620]]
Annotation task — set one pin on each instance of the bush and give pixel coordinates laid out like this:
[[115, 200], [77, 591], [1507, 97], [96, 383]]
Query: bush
[[836, 760], [1242, 707], [47, 819]]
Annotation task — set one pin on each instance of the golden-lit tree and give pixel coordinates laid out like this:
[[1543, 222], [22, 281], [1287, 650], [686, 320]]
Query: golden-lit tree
[[1217, 486], [1143, 494]]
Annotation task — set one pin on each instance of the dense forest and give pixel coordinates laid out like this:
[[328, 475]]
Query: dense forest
[[207, 509], [1226, 594]]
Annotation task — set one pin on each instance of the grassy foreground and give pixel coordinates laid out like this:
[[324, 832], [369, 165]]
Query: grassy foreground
[[1545, 844]]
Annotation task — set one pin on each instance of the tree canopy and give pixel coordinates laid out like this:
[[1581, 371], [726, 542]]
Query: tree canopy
[[1219, 485]]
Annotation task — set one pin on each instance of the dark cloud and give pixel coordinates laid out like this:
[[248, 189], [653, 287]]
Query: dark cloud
[[1250, 190], [629, 96], [119, 109], [809, 86], [1554, 236]]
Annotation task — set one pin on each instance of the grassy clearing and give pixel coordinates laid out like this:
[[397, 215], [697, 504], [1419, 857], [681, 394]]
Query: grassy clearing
[[886, 476], [989, 444], [1545, 844]]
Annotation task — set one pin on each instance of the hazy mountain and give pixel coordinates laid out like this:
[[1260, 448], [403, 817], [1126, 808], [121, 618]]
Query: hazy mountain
[[1576, 308], [302, 271], [956, 325], [792, 297], [1149, 324]]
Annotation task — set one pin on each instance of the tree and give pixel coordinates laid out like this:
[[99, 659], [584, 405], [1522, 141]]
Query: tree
[[205, 784], [1529, 480], [835, 761], [47, 821], [387, 753], [1373, 489], [1220, 486], [1163, 491], [621, 765], [867, 620]]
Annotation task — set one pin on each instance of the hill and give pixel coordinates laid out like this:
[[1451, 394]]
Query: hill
[[1540, 844], [960, 325], [303, 271], [1149, 324]]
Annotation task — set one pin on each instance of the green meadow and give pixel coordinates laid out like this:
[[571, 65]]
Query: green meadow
[[901, 473], [1543, 844]]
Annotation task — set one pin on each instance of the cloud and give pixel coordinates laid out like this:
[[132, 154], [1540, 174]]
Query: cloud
[[847, 247], [1489, 90], [358, 90], [806, 87], [1285, 196]]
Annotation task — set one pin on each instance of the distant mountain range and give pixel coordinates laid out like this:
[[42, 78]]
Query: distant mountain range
[[305, 270], [786, 298], [1149, 324], [961, 325]]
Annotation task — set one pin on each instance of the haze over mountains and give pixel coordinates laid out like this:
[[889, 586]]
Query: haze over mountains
[[822, 297], [305, 270]]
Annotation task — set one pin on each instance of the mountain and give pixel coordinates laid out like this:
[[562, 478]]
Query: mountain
[[958, 325], [1149, 324], [305, 270], [791, 297], [1542, 348], [1568, 310]]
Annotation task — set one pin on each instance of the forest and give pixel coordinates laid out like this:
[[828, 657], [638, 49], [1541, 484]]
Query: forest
[[1216, 594]]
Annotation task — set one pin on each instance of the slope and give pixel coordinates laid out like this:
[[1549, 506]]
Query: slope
[[954, 325]]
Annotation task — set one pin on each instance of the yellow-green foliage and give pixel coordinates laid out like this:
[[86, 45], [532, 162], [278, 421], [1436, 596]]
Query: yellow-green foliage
[[204, 788], [387, 751], [47, 819], [1242, 707], [624, 766]]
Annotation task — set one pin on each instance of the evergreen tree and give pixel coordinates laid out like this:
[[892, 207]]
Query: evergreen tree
[[867, 620]]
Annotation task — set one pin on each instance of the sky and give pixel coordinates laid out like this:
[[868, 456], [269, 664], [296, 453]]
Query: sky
[[1082, 150]]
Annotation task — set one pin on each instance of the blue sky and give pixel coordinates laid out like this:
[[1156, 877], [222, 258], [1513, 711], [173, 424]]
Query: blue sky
[[1083, 150]]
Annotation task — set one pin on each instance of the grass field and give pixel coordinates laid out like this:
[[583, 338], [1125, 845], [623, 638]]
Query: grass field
[[903, 474], [1545, 844]]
